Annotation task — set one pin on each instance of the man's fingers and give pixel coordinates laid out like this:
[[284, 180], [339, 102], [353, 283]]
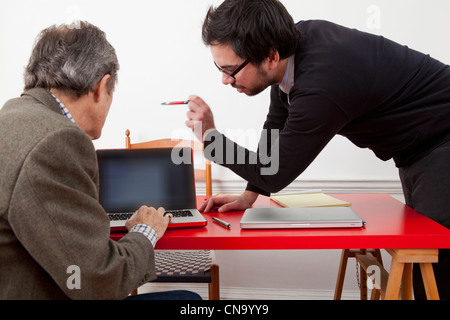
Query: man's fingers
[[203, 206], [210, 203], [190, 124], [195, 100], [168, 215], [231, 206]]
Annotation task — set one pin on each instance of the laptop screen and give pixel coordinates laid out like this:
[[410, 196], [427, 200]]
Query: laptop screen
[[130, 178]]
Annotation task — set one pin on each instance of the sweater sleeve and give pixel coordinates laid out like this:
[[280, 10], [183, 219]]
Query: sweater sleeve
[[294, 134], [62, 224]]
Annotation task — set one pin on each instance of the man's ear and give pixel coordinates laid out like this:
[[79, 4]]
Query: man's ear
[[273, 58], [102, 88]]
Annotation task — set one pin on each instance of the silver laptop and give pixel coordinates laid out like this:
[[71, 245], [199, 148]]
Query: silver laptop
[[301, 218], [131, 178]]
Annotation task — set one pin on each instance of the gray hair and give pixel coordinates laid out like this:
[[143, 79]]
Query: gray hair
[[71, 58]]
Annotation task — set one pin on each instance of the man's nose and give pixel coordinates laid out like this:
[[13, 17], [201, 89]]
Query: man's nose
[[226, 79]]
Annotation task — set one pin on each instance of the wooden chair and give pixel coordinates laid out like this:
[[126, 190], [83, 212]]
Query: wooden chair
[[184, 259], [200, 174]]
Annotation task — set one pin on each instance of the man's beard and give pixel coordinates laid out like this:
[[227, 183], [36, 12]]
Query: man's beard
[[263, 82]]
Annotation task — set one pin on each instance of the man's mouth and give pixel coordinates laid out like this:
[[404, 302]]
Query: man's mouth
[[240, 89]]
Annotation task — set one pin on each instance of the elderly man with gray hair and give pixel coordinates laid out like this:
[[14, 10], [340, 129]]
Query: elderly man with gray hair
[[54, 234]]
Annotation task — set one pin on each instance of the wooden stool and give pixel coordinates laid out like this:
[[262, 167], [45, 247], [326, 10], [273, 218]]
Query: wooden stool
[[399, 276]]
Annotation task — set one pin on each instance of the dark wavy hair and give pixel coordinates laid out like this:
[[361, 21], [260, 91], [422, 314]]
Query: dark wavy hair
[[72, 58], [254, 28]]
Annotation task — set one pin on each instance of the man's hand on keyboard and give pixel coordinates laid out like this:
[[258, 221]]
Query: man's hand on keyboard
[[151, 217]]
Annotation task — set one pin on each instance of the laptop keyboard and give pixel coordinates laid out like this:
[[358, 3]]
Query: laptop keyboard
[[126, 215], [179, 213], [120, 216]]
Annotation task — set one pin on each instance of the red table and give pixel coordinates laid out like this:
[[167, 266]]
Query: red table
[[390, 225]]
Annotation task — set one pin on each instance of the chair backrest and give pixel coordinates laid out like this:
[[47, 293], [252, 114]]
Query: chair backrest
[[200, 174]]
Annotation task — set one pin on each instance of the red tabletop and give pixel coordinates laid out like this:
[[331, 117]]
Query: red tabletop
[[390, 225]]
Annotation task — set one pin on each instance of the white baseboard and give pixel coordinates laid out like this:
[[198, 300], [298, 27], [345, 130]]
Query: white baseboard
[[327, 186], [241, 293]]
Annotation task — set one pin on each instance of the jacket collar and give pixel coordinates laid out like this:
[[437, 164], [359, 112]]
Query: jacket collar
[[44, 97]]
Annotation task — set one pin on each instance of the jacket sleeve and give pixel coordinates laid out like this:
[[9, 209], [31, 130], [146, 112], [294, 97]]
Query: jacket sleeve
[[56, 215]]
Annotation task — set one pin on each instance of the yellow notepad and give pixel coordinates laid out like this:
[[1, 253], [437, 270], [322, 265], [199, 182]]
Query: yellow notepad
[[307, 200]]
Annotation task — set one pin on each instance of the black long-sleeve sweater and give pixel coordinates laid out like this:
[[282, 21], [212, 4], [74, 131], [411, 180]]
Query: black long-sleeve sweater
[[379, 94]]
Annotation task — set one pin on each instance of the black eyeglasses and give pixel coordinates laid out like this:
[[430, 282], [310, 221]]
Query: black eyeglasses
[[232, 74]]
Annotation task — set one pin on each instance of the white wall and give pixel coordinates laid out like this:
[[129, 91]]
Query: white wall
[[162, 58]]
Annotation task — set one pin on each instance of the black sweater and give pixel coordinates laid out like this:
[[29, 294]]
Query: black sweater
[[377, 93]]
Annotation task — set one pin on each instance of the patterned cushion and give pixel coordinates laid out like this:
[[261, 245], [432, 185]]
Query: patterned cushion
[[183, 266]]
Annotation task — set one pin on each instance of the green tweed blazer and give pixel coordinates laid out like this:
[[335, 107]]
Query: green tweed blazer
[[54, 234]]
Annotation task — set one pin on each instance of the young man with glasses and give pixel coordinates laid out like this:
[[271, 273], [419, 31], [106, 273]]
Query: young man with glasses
[[325, 80]]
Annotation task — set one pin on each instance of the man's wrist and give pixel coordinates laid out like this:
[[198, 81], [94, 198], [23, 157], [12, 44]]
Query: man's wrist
[[147, 231], [250, 196]]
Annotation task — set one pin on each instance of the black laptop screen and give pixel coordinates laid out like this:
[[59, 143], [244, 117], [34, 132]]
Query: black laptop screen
[[132, 178]]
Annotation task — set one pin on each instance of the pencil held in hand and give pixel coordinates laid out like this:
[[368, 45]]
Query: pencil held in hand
[[171, 103]]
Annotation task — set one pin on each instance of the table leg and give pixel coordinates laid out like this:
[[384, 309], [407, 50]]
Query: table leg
[[429, 281], [407, 286], [341, 274], [401, 272], [362, 279], [394, 281]]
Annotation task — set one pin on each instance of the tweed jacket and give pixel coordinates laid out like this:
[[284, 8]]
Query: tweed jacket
[[54, 234]]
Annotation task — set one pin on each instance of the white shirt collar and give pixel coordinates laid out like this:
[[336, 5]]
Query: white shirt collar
[[288, 79]]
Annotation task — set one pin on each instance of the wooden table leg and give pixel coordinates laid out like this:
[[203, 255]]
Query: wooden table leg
[[394, 280], [401, 272], [341, 274], [351, 253], [362, 279], [376, 292], [407, 286], [429, 281]]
